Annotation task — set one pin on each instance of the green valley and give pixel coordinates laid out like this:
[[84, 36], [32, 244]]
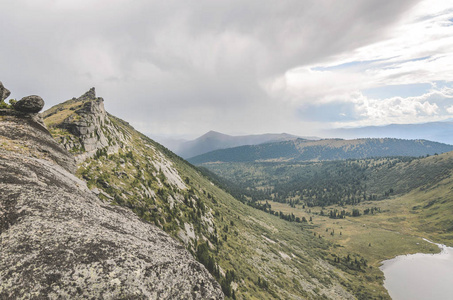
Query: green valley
[[376, 208], [252, 254]]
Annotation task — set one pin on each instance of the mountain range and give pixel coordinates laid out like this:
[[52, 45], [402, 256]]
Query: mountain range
[[328, 149], [441, 132], [213, 140], [90, 207]]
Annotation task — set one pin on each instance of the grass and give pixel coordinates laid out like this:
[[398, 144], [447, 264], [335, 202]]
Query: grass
[[271, 258], [392, 232], [259, 247], [57, 114]]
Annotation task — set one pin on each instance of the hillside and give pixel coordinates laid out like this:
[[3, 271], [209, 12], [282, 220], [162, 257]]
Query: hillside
[[330, 149], [59, 241], [253, 255], [441, 132], [379, 208], [426, 181], [215, 140]]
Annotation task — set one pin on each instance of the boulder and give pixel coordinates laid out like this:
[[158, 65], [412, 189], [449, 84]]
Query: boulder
[[4, 92], [29, 104]]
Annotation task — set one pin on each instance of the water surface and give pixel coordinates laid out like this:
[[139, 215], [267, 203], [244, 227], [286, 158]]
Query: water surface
[[420, 276]]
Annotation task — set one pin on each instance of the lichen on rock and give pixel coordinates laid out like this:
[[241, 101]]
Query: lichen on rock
[[29, 104], [88, 127], [4, 92], [59, 241]]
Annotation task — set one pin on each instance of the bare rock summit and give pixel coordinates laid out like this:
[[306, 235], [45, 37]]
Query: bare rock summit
[[89, 95]]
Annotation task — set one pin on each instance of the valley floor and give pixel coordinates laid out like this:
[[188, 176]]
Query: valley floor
[[396, 227]]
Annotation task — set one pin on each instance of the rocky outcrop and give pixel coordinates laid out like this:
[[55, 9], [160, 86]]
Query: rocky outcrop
[[90, 128], [89, 95], [59, 241], [29, 104], [4, 92], [27, 109]]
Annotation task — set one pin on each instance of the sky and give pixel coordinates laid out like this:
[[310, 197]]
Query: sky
[[182, 68]]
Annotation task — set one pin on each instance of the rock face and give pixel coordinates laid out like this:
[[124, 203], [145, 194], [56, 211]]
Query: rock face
[[59, 241], [29, 104], [4, 92], [89, 127], [90, 95]]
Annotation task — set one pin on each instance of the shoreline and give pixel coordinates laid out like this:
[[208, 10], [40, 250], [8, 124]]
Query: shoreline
[[411, 276]]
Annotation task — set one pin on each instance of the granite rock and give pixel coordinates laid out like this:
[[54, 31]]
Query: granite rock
[[4, 92], [29, 104], [91, 128], [59, 241], [89, 95]]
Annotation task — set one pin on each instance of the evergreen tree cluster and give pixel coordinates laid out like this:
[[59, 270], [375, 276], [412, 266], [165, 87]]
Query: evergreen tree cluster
[[304, 183]]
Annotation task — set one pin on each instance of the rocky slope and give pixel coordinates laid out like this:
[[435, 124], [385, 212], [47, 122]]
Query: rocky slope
[[82, 126], [253, 255], [60, 241]]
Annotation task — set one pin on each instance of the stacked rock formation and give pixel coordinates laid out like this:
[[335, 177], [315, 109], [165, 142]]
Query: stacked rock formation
[[59, 241], [27, 107]]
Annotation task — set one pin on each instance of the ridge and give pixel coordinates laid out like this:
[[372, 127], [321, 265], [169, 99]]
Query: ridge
[[59, 240], [222, 233]]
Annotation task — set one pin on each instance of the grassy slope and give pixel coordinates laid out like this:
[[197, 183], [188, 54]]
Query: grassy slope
[[271, 258], [420, 209], [426, 182]]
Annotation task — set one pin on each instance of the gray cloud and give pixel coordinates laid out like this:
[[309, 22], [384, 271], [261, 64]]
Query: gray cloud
[[180, 66]]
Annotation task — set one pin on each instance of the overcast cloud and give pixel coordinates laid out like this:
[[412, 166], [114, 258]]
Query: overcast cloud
[[182, 68]]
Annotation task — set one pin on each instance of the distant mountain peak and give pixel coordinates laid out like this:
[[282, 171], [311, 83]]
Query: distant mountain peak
[[214, 140], [213, 133]]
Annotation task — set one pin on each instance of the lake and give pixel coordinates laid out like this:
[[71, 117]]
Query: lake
[[420, 276]]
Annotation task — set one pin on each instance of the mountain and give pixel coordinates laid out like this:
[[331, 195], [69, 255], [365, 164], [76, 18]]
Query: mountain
[[252, 254], [329, 149], [426, 181], [380, 207], [215, 140], [60, 241], [441, 132]]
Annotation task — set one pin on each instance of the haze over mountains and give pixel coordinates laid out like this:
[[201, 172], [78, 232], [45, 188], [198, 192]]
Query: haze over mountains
[[328, 149], [213, 140], [441, 132]]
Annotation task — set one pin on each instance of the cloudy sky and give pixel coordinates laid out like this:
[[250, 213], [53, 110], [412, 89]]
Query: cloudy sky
[[182, 68]]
